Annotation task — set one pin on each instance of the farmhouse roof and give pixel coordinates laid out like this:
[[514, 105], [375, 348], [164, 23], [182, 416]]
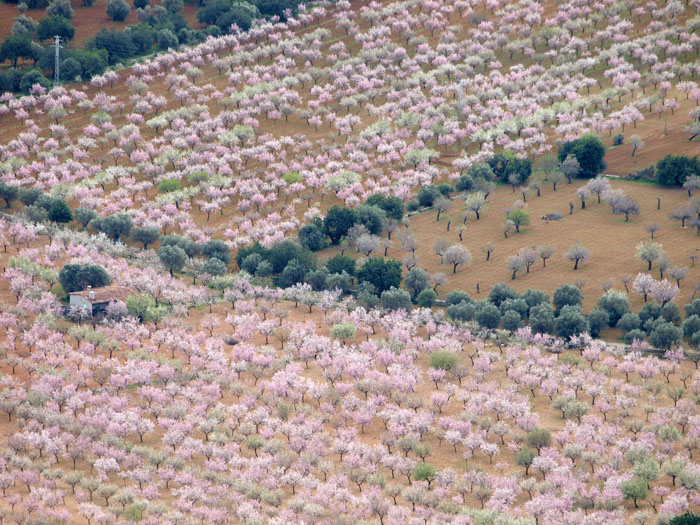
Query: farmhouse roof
[[105, 294]]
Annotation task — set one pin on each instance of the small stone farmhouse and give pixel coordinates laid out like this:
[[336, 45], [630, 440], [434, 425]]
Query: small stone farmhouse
[[96, 299]]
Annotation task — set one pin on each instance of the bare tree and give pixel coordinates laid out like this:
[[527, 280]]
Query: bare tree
[[488, 249], [625, 206], [515, 264], [582, 193], [387, 243], [548, 164], [652, 229], [537, 186], [681, 214], [442, 205], [438, 279], [475, 202], [555, 178], [460, 232], [529, 256], [626, 279], [408, 241], [513, 180], [695, 223], [456, 255], [368, 243], [545, 253], [598, 186], [663, 263], [607, 284], [440, 247], [692, 183], [508, 227], [410, 261], [696, 289], [578, 254], [570, 167], [391, 226], [637, 143], [678, 273]]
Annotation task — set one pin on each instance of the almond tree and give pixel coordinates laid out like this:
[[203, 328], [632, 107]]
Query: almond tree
[[578, 254], [643, 284], [649, 251], [456, 255]]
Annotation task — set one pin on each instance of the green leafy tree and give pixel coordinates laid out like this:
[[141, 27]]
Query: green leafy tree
[[84, 216], [380, 273], [505, 164], [55, 25], [524, 457], [70, 69], [426, 298], [114, 226], [598, 320], [118, 10], [570, 322], [215, 267], [147, 235], [567, 295], [60, 212], [371, 217], [343, 331], [144, 308], [673, 170], [538, 438], [60, 8], [635, 489], [217, 249], [616, 305], [166, 39], [665, 335], [520, 217], [457, 296], [15, 47], [311, 237], [341, 263], [416, 281], [396, 299], [282, 252], [8, 193], [542, 319], [338, 222], [173, 258], [589, 152], [427, 195], [392, 205], [118, 45], [443, 360], [294, 272], [687, 518], [31, 77], [425, 472], [74, 277], [488, 316], [168, 185]]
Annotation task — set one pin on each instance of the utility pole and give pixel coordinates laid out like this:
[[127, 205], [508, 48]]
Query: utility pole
[[57, 43]]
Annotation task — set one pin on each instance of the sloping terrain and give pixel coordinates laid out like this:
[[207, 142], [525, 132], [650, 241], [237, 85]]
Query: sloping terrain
[[240, 406]]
